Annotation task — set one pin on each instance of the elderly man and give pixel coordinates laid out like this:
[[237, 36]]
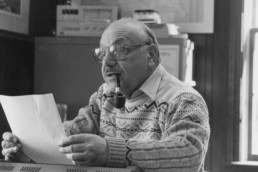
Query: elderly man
[[163, 125]]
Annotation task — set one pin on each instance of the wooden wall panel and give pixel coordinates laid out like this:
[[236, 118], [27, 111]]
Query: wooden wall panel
[[217, 70]]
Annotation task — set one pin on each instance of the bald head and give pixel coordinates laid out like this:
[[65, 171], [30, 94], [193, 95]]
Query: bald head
[[133, 27], [131, 31]]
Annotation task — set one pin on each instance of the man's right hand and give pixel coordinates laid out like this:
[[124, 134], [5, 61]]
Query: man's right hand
[[12, 148]]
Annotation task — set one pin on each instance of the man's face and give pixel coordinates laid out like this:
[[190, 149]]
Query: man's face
[[133, 69]]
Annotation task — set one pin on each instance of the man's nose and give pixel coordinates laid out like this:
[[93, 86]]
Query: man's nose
[[109, 60]]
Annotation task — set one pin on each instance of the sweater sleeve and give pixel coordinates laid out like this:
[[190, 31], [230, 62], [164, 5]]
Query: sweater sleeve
[[87, 120], [183, 143]]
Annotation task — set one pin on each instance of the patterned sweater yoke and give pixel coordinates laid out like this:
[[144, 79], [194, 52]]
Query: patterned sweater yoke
[[166, 128]]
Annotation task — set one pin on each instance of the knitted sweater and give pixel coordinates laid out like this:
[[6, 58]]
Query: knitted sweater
[[165, 128]]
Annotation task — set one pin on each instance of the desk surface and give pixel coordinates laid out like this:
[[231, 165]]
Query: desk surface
[[31, 167]]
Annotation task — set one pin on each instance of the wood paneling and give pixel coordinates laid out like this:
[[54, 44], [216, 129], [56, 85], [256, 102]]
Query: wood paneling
[[217, 71]]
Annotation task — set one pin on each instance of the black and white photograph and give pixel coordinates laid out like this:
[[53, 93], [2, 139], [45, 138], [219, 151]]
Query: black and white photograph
[[128, 85]]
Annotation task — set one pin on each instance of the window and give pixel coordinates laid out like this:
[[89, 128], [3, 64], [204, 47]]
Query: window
[[253, 96], [249, 84]]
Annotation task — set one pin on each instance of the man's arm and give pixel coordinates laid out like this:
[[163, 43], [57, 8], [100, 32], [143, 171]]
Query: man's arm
[[87, 120], [183, 144]]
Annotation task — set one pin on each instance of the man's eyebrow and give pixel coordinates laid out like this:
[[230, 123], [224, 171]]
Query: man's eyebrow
[[120, 41]]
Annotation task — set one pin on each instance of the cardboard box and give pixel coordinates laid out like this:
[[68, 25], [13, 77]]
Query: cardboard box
[[164, 30]]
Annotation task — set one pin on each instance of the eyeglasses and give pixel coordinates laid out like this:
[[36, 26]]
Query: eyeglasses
[[118, 52]]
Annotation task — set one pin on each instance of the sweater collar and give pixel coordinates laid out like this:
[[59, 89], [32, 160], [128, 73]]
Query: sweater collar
[[151, 85]]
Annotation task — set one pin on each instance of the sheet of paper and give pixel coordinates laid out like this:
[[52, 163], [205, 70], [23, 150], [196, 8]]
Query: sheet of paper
[[35, 120]]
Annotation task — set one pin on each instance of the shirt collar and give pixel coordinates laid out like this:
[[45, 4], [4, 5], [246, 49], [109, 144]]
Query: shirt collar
[[151, 85]]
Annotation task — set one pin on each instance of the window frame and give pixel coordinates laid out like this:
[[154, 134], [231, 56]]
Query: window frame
[[250, 156], [249, 22]]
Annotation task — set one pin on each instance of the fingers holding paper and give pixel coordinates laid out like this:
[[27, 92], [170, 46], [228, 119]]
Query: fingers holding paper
[[85, 149], [11, 146], [12, 149]]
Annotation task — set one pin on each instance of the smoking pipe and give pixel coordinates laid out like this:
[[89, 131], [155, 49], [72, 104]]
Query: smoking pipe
[[118, 97]]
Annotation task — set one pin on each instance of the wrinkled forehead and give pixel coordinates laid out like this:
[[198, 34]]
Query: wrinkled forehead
[[119, 34]]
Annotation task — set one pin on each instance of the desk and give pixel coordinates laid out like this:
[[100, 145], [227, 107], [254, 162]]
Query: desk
[[30, 167]]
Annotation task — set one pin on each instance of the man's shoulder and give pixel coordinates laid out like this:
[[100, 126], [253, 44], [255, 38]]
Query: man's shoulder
[[99, 93], [171, 87]]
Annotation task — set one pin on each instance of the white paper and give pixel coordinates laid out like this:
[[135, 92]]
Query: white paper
[[35, 120]]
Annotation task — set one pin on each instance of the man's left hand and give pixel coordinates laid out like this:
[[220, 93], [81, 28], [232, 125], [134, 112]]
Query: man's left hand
[[85, 149]]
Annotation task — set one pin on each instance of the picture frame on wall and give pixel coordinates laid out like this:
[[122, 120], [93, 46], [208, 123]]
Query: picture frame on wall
[[14, 16], [201, 17], [191, 16]]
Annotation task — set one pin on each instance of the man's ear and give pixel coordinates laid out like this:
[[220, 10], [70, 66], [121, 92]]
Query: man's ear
[[153, 54]]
